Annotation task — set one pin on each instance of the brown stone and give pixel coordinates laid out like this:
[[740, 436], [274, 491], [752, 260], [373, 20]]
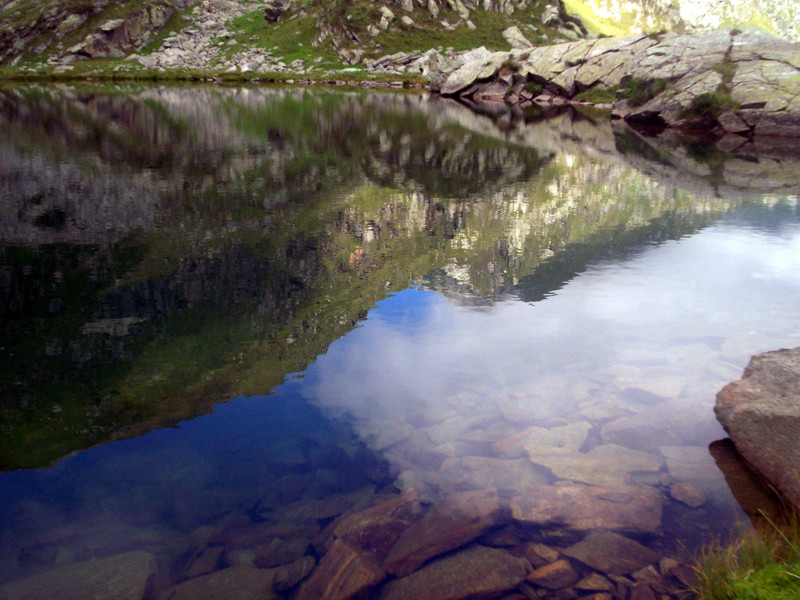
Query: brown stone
[[608, 465], [749, 489], [119, 577], [594, 583], [555, 576], [233, 583], [331, 506], [688, 494], [643, 591], [343, 573], [540, 554], [207, 562], [450, 523], [288, 576], [280, 553], [685, 574], [475, 572], [377, 529], [612, 553], [649, 574], [584, 508]]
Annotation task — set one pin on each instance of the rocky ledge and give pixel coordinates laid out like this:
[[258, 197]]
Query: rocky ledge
[[740, 83], [761, 413]]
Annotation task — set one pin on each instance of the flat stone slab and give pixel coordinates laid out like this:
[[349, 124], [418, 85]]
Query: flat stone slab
[[612, 553], [761, 413], [118, 577], [608, 465], [585, 508], [452, 522], [476, 572], [233, 583]]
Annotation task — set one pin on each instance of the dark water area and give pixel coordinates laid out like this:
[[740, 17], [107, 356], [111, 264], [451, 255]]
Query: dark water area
[[254, 339]]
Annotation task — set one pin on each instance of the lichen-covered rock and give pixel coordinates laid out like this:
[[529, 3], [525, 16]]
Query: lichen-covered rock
[[750, 77], [761, 413], [515, 38]]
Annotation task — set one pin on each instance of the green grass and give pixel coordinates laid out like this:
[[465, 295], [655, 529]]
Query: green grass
[[761, 566], [639, 92], [709, 105], [598, 95]]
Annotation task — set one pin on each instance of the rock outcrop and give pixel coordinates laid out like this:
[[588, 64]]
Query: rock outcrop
[[733, 83], [761, 413]]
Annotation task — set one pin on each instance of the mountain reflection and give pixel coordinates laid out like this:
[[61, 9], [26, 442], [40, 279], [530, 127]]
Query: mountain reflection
[[167, 249]]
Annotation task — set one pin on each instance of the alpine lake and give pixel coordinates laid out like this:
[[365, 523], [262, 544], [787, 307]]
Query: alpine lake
[[270, 342]]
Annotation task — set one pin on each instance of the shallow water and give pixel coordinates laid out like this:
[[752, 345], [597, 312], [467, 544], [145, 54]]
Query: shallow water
[[229, 314]]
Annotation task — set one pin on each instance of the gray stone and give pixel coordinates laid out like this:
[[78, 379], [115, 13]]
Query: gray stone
[[550, 16], [761, 413], [515, 39]]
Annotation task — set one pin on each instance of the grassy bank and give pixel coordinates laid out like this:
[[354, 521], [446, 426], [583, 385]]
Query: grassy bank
[[763, 565], [213, 76]]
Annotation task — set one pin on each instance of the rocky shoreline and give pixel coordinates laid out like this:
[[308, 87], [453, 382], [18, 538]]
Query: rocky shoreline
[[743, 84]]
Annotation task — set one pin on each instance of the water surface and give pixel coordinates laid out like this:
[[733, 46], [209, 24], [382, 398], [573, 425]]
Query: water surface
[[235, 310]]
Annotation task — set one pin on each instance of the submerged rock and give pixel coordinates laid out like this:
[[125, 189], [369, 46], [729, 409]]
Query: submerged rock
[[477, 572], [688, 494], [233, 583], [761, 413], [584, 508], [554, 576], [611, 553], [118, 577], [609, 464], [343, 573], [376, 529], [454, 521]]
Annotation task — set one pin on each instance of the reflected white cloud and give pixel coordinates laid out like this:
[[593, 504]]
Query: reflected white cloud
[[653, 337]]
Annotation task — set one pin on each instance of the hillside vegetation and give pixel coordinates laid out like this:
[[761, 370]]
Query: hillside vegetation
[[321, 38]]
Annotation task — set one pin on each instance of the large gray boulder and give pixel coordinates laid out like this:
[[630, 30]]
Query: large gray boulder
[[761, 413]]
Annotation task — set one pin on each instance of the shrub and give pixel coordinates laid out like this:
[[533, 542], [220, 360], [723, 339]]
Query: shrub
[[598, 95], [709, 105], [639, 92], [533, 87]]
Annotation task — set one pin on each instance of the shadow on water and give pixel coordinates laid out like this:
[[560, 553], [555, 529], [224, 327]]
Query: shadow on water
[[163, 251]]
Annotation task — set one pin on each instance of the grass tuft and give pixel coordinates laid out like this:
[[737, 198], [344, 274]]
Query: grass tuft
[[709, 105], [761, 566], [639, 91]]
